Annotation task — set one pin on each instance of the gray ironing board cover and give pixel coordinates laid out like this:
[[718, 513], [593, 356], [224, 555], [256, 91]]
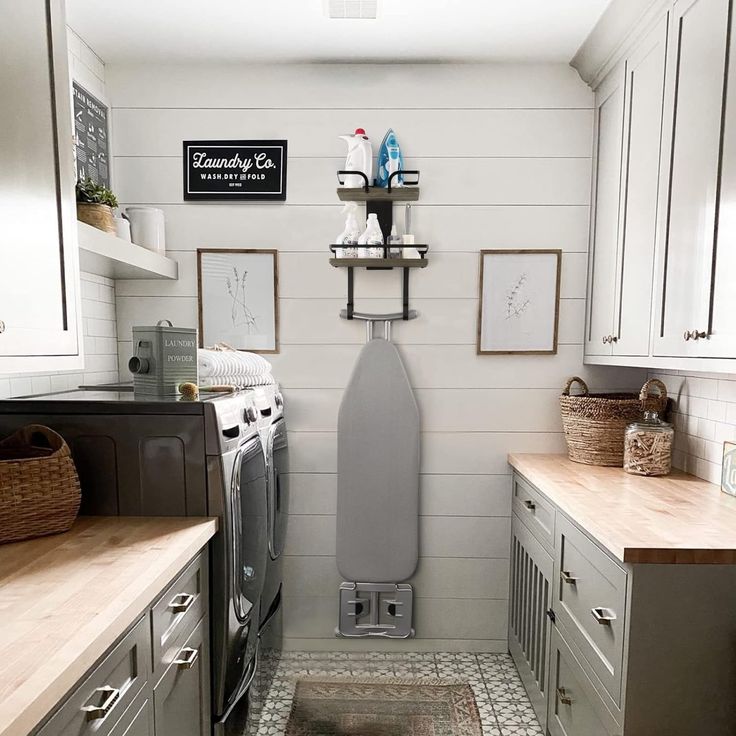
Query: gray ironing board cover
[[378, 470]]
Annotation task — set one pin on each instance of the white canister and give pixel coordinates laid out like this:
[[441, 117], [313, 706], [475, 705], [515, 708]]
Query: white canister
[[147, 227], [122, 228]]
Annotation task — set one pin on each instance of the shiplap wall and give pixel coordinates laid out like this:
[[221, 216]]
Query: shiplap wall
[[704, 418], [504, 153], [98, 292]]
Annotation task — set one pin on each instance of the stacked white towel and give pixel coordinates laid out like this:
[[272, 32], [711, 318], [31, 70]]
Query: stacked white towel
[[233, 368]]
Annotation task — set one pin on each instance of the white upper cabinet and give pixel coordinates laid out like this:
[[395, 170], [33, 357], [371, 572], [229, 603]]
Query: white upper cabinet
[[625, 189], [605, 215], [721, 325], [39, 278], [673, 231], [645, 79], [694, 111]]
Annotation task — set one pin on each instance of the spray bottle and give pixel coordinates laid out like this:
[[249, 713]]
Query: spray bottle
[[351, 233], [372, 235], [360, 158]]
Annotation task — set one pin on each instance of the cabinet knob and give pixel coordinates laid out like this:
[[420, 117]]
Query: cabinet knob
[[187, 658], [2, 327], [530, 505], [96, 712], [603, 616], [613, 338], [695, 335], [606, 339], [567, 578], [687, 335], [563, 697]]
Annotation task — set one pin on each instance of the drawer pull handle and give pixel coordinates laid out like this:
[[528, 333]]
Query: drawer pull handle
[[187, 658], [603, 616], [567, 578], [563, 697], [530, 505], [96, 712], [181, 602]]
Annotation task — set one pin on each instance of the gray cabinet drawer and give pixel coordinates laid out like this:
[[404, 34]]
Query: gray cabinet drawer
[[574, 706], [590, 603], [535, 511], [138, 719], [176, 613], [98, 703], [182, 696]]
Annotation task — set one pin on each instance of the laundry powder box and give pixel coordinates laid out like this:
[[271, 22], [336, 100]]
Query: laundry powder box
[[164, 356]]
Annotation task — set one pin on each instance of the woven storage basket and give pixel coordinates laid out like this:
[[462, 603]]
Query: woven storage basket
[[39, 486], [594, 424], [97, 215]]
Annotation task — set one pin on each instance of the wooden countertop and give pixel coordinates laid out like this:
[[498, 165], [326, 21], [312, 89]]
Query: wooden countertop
[[65, 599], [675, 519]]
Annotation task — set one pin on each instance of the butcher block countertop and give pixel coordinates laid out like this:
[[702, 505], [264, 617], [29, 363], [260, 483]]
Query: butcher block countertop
[[675, 519], [65, 599]]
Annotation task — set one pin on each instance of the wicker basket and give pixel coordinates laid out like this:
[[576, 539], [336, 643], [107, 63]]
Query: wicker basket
[[97, 215], [39, 486], [594, 424]]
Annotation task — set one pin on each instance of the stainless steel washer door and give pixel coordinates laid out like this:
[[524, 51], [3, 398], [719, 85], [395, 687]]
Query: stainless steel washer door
[[249, 508], [277, 453], [248, 530]]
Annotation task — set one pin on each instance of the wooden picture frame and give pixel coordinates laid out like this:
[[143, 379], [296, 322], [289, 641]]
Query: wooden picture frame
[[513, 291], [226, 312]]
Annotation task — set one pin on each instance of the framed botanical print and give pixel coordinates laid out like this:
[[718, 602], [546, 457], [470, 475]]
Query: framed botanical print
[[519, 304], [238, 299]]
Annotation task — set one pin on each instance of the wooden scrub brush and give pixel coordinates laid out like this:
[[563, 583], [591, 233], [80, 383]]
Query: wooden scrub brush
[[192, 391]]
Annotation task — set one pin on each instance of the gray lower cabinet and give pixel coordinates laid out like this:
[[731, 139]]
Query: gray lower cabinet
[[155, 681], [138, 719], [181, 697], [606, 648], [529, 621]]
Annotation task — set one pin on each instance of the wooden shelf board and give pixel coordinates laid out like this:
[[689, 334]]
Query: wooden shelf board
[[383, 263], [107, 255], [380, 194]]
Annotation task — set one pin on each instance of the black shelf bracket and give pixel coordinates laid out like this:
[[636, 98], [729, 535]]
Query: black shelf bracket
[[351, 290]]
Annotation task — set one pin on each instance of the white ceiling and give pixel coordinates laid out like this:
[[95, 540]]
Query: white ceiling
[[300, 31]]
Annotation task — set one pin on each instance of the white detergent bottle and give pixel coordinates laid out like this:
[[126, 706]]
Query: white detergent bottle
[[360, 158], [372, 235], [351, 234]]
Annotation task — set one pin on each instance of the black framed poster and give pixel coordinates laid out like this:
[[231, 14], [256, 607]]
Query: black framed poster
[[91, 137], [234, 170]]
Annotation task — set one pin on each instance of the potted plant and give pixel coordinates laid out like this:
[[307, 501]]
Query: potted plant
[[94, 205]]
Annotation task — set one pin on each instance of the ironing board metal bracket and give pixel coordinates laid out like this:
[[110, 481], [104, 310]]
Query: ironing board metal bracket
[[375, 609]]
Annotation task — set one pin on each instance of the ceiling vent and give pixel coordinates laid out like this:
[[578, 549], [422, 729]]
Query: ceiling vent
[[363, 9]]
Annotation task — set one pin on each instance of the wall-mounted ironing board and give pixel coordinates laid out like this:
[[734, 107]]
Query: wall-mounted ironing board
[[378, 453]]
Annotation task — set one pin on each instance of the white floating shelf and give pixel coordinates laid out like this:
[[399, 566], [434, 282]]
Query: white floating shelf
[[107, 255]]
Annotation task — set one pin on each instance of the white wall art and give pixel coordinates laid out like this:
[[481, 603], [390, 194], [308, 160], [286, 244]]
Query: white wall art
[[238, 299], [519, 301]]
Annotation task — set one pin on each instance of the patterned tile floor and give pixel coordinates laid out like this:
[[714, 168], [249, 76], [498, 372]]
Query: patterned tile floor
[[504, 707]]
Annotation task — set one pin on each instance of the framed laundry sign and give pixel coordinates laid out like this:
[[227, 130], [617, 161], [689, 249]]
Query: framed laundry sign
[[235, 170], [238, 298], [519, 304]]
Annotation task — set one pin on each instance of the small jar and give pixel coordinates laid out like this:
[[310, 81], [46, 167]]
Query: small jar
[[648, 446]]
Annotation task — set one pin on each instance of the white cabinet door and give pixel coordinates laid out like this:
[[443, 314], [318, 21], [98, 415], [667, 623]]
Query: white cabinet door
[[721, 342], [693, 123], [38, 249], [602, 258], [640, 188]]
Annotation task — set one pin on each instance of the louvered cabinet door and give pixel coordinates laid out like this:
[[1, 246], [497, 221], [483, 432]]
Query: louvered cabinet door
[[529, 625]]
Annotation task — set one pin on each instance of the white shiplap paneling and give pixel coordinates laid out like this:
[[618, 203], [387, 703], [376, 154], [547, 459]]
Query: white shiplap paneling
[[504, 155]]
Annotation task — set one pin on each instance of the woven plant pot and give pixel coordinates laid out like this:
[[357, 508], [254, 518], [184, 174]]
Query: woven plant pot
[[39, 486], [97, 215], [595, 424]]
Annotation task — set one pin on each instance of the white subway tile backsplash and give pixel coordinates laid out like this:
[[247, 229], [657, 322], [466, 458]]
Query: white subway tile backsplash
[[704, 418]]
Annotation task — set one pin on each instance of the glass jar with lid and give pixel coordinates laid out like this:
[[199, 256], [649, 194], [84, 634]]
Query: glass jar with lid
[[648, 446]]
